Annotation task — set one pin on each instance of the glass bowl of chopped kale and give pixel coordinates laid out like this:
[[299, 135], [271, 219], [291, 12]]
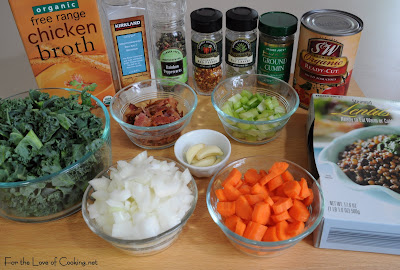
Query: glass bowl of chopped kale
[[52, 142]]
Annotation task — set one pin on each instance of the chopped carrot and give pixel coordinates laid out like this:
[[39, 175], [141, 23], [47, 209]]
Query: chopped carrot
[[221, 195], [254, 231], [253, 199], [239, 184], [299, 211], [231, 193], [261, 213], [279, 191], [276, 169], [292, 189], [280, 217], [308, 201], [270, 235], [226, 209], [240, 227], [281, 228], [231, 222], [243, 208], [295, 228], [276, 198], [233, 178], [269, 201], [245, 189], [274, 183], [265, 206], [257, 189], [263, 173], [282, 204], [251, 176], [287, 176], [304, 192]]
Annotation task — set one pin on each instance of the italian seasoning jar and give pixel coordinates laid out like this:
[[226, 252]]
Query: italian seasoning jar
[[277, 33], [206, 49], [168, 38], [240, 41]]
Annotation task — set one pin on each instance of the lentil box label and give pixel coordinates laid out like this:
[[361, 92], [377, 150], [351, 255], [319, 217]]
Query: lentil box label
[[354, 145]]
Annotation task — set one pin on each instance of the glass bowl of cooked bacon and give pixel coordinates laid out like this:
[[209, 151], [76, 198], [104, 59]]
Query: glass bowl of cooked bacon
[[153, 113]]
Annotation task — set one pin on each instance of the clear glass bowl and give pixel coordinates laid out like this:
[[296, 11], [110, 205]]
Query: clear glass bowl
[[258, 248], [139, 94], [256, 132], [58, 198], [142, 247]]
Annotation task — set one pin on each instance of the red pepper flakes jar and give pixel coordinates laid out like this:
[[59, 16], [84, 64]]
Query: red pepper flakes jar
[[206, 49]]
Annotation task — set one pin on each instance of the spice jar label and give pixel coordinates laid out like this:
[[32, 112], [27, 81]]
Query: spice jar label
[[130, 45], [240, 52], [173, 64], [275, 60], [207, 53]]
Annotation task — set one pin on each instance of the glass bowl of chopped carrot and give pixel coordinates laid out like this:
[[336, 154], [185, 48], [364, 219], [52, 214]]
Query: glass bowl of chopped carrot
[[153, 113], [264, 205], [254, 108]]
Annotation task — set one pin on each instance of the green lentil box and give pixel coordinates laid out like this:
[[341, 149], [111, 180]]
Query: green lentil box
[[354, 146]]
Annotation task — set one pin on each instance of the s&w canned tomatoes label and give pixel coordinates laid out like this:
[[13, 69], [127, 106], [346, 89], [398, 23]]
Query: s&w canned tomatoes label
[[326, 53]]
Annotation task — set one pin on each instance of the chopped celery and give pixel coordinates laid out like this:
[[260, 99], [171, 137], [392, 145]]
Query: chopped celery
[[257, 107], [246, 93]]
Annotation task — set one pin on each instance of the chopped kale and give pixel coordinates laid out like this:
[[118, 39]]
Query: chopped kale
[[40, 135]]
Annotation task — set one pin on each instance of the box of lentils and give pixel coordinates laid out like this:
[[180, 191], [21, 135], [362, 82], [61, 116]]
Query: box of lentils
[[354, 145]]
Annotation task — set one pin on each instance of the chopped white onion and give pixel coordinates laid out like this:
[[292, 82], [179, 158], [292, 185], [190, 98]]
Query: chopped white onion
[[143, 198]]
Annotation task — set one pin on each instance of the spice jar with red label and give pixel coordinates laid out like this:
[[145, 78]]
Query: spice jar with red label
[[206, 49]]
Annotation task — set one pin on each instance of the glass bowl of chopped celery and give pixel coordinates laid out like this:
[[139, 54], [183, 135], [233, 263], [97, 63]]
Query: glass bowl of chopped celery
[[153, 113], [254, 108], [53, 141], [140, 205]]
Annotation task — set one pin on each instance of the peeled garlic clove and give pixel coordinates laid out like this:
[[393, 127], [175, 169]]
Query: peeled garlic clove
[[205, 162], [209, 150], [218, 160], [192, 151]]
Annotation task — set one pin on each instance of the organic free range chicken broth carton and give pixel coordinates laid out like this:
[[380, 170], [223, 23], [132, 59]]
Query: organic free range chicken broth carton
[[64, 44], [354, 146]]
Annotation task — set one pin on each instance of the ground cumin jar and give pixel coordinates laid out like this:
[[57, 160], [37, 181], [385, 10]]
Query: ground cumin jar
[[326, 53]]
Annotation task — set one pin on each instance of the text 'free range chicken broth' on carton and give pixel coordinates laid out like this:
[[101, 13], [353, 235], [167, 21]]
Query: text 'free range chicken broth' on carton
[[65, 45]]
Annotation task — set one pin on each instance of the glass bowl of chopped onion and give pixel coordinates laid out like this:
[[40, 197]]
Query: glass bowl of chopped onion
[[254, 108], [54, 140], [141, 205], [153, 113]]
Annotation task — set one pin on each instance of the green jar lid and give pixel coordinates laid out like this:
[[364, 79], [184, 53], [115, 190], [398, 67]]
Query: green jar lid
[[277, 24]]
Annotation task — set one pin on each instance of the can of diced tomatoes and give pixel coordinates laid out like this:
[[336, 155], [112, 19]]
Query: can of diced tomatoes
[[326, 53]]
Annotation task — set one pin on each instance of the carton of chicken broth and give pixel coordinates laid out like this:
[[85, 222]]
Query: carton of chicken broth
[[354, 148], [64, 44]]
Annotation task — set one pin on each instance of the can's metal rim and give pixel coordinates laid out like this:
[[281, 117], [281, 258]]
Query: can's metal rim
[[332, 22]]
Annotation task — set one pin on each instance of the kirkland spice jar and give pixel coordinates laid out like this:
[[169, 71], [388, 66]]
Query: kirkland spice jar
[[206, 49], [277, 32], [326, 53], [240, 41]]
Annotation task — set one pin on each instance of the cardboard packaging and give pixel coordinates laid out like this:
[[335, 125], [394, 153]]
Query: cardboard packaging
[[354, 146], [64, 44]]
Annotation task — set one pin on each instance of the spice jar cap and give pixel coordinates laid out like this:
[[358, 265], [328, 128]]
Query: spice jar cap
[[278, 24], [206, 20], [241, 19]]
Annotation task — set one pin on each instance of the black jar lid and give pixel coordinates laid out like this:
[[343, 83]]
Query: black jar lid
[[278, 24], [241, 19], [206, 20]]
